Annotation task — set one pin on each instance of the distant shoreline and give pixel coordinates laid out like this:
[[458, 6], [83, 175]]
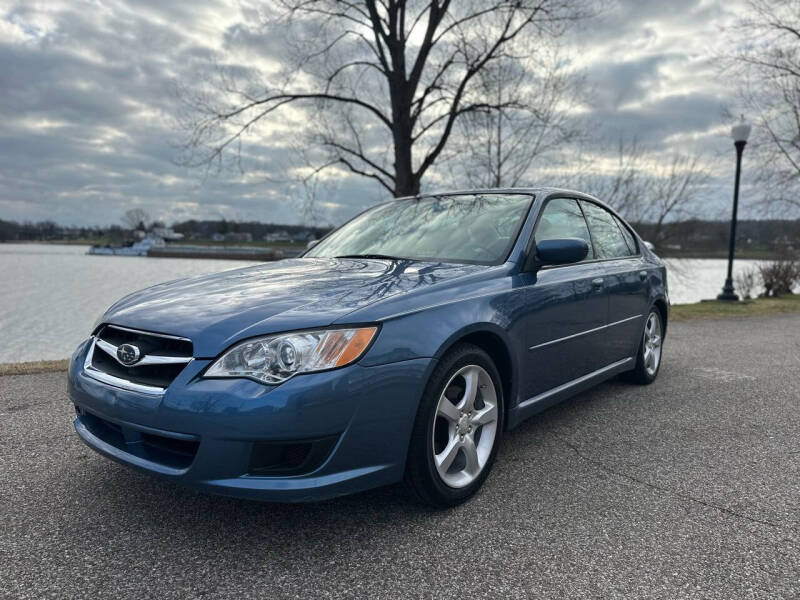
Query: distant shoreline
[[252, 251], [719, 255]]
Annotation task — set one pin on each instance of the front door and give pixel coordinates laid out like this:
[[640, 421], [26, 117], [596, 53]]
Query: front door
[[566, 308], [626, 281]]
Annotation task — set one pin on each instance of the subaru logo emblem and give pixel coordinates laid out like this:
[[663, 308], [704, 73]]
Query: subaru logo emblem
[[128, 354]]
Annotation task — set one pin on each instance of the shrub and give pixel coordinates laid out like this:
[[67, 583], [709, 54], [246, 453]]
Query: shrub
[[747, 282], [780, 276]]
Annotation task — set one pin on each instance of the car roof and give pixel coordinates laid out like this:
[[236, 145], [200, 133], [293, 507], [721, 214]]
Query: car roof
[[540, 190]]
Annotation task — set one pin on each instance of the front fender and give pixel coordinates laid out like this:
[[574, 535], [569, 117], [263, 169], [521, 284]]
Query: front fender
[[489, 321]]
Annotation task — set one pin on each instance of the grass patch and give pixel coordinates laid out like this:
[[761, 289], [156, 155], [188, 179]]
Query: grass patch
[[722, 310], [29, 368]]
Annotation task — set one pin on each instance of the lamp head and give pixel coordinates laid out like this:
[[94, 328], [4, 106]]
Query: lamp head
[[741, 131]]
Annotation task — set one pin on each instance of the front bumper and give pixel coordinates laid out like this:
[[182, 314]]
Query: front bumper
[[211, 427]]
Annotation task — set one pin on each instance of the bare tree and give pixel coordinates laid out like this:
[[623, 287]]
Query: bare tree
[[624, 187], [136, 218], [497, 148], [366, 72], [672, 191], [770, 66], [310, 193], [649, 189]]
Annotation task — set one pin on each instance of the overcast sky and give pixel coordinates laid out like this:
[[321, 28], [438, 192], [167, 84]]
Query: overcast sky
[[87, 104]]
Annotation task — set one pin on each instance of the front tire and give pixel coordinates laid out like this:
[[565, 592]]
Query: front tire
[[648, 358], [457, 429]]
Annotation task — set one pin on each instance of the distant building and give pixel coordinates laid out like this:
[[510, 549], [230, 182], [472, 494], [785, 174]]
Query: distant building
[[166, 233], [280, 235], [218, 237]]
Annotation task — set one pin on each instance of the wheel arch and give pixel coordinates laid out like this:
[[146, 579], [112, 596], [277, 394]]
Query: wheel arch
[[661, 305], [493, 340]]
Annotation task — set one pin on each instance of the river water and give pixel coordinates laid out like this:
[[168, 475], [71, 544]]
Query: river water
[[51, 295]]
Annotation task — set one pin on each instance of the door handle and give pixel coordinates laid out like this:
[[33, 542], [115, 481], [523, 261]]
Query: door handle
[[597, 282], [642, 275]]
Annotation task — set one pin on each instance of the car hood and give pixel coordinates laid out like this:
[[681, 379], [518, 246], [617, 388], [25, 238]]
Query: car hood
[[217, 310]]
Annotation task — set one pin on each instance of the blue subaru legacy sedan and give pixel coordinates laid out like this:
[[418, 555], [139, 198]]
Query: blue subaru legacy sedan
[[400, 347]]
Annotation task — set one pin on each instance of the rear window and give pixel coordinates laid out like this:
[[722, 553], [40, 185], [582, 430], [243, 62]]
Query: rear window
[[606, 235], [630, 239]]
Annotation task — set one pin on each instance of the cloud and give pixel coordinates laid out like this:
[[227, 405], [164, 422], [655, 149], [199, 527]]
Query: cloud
[[87, 103]]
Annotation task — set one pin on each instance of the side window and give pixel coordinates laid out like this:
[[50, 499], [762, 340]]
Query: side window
[[562, 218], [629, 238], [607, 238]]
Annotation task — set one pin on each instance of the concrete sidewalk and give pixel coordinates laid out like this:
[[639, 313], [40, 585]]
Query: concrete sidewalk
[[689, 488]]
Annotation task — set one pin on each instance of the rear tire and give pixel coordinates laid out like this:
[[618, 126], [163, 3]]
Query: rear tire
[[457, 429], [648, 357]]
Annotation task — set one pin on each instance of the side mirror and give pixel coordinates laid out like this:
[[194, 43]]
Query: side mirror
[[561, 251], [650, 246], [311, 244]]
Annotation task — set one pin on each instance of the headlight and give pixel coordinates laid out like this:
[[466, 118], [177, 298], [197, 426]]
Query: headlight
[[276, 358]]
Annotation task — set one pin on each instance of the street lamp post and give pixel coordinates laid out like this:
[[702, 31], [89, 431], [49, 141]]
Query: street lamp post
[[739, 133]]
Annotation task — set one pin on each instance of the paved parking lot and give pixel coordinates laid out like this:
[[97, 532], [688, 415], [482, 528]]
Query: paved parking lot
[[689, 488]]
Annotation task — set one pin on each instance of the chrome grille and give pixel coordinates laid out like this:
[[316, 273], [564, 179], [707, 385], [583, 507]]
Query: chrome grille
[[141, 361]]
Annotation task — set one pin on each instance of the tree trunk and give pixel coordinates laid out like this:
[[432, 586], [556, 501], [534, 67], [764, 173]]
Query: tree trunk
[[498, 180], [406, 182]]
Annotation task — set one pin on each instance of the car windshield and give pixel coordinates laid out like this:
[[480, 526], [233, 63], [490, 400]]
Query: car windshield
[[469, 228]]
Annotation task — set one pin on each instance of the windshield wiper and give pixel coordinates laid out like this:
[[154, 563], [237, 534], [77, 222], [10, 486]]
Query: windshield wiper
[[376, 256]]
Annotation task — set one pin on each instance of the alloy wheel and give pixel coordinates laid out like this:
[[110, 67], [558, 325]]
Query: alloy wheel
[[652, 343], [465, 426]]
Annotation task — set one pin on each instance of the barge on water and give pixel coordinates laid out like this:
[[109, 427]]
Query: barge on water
[[140, 248]]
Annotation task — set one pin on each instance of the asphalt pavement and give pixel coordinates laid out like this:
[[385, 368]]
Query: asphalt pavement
[[689, 488]]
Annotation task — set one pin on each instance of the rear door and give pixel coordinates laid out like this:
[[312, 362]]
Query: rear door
[[566, 307], [625, 277]]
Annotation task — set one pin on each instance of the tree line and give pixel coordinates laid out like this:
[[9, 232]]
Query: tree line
[[690, 237], [48, 231]]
